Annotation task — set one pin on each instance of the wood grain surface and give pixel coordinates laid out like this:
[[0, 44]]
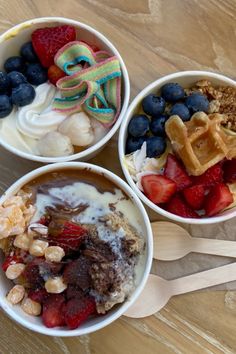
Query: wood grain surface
[[155, 37]]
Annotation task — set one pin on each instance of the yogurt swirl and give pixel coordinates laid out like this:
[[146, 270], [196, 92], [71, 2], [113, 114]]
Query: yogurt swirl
[[37, 119]]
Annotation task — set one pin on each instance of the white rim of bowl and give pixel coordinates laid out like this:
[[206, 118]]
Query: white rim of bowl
[[121, 146], [126, 81], [9, 310]]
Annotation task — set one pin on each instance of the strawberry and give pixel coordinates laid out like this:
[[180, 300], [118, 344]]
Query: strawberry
[[178, 206], [53, 314], [158, 189], [54, 74], [176, 172], [211, 177], [38, 295], [47, 41], [229, 168], [195, 196], [9, 260], [77, 310], [219, 198], [67, 235]]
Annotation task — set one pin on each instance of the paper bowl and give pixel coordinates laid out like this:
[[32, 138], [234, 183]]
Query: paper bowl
[[10, 43], [186, 79]]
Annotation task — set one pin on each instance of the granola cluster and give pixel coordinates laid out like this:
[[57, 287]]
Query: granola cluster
[[222, 100]]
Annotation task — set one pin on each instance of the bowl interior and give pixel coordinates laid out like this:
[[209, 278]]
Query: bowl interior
[[185, 79], [142, 269], [12, 40]]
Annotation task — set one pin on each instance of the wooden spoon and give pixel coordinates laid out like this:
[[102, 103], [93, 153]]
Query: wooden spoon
[[158, 291], [171, 242]]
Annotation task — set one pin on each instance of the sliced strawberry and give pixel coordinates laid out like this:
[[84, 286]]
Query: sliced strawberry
[[195, 196], [54, 74], [211, 177], [158, 189], [219, 198], [47, 41], [178, 206], [67, 235], [78, 310], [9, 260], [176, 172], [38, 295], [229, 168], [53, 314]]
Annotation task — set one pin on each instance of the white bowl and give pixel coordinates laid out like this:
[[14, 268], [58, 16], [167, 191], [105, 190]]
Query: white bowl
[[186, 79], [34, 323], [10, 43]]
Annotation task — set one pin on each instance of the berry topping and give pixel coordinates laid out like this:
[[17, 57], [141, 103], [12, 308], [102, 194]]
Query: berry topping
[[54, 74], [133, 144], [9, 260], [157, 125], [157, 188], [176, 172], [53, 311], [5, 83], [156, 146], [23, 95], [195, 196], [36, 74], [197, 102], [178, 206], [138, 125], [47, 41], [14, 64], [28, 53], [77, 273], [230, 171], [38, 295], [218, 199], [5, 106], [211, 177], [181, 110], [172, 92], [32, 273], [153, 105], [16, 78], [78, 310]]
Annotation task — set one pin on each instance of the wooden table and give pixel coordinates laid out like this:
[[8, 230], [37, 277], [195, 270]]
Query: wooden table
[[155, 37]]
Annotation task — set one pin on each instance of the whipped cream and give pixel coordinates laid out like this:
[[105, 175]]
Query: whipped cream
[[37, 119]]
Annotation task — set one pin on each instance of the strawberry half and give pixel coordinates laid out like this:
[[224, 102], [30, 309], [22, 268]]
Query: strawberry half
[[54, 74], [67, 235], [53, 314], [158, 189], [47, 41], [77, 310], [219, 198], [229, 168], [178, 206], [211, 177], [195, 196], [175, 171]]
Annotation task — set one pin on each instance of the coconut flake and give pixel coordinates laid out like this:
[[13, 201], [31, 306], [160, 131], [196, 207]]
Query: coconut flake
[[140, 156]]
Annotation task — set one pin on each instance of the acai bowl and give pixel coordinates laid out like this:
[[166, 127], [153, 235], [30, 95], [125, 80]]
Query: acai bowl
[[76, 249], [177, 147], [64, 89]]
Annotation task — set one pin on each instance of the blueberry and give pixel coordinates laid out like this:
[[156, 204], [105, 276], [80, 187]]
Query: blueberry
[[157, 125], [156, 146], [14, 64], [36, 74], [133, 144], [23, 94], [16, 78], [181, 110], [5, 106], [138, 125], [28, 53], [5, 84], [172, 92], [197, 102], [153, 105]]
